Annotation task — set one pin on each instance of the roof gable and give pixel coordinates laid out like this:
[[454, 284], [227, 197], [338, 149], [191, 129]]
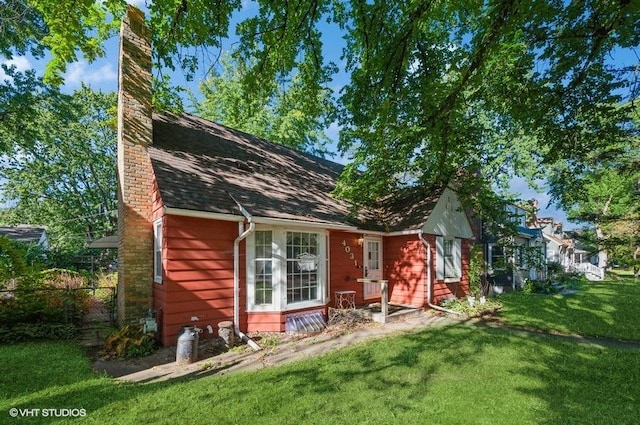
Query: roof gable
[[447, 217]]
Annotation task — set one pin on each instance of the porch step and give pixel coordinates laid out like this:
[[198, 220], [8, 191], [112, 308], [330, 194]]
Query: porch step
[[396, 313], [306, 322]]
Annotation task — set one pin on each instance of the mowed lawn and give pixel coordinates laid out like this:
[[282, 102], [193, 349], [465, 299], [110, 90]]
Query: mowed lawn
[[458, 374], [608, 309]]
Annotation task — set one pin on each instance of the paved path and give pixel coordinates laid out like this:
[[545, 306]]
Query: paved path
[[162, 366]]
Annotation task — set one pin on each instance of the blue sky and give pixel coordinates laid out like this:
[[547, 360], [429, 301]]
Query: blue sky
[[103, 75]]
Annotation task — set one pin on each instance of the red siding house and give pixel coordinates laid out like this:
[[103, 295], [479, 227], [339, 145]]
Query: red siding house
[[219, 225]]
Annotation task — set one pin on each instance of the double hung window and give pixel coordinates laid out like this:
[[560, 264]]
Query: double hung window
[[448, 259], [157, 251]]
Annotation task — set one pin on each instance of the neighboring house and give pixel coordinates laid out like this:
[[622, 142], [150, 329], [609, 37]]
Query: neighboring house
[[519, 257], [26, 234], [218, 225], [559, 248], [582, 252], [565, 248]]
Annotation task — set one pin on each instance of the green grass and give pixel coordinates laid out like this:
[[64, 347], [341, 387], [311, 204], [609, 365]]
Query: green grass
[[603, 309], [455, 375], [459, 374]]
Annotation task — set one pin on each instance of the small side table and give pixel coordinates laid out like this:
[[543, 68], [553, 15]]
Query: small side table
[[346, 299]]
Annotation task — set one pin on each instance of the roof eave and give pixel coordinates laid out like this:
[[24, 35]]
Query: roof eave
[[260, 220]]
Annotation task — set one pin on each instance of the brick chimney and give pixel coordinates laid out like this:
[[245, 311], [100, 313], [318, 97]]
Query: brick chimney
[[135, 248]]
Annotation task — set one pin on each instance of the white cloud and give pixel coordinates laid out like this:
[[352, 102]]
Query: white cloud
[[21, 63], [81, 72]]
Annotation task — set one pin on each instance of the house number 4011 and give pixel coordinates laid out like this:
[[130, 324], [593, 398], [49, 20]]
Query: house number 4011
[[347, 249]]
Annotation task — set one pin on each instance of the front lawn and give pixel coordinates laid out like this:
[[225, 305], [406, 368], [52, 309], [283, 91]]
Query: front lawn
[[459, 374], [603, 309]]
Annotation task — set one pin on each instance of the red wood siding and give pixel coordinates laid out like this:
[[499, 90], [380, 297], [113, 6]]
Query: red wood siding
[[442, 290], [343, 271], [405, 267], [198, 274], [273, 321]]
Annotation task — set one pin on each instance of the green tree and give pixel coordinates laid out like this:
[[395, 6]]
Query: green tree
[[437, 90], [22, 29], [65, 179], [284, 116], [23, 97], [604, 191], [607, 197]]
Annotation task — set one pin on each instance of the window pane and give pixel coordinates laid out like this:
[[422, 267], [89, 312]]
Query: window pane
[[263, 268], [302, 266], [497, 257], [157, 252], [373, 255], [448, 247], [158, 270]]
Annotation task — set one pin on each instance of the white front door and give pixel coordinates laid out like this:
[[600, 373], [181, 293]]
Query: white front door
[[372, 266]]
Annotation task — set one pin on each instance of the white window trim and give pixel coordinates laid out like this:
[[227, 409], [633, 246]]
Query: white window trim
[[490, 248], [157, 246], [279, 270], [457, 259]]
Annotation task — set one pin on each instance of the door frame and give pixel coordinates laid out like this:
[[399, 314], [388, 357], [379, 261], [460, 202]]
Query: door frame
[[371, 290]]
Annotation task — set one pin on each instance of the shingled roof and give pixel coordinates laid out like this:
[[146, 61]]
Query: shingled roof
[[25, 234], [198, 164]]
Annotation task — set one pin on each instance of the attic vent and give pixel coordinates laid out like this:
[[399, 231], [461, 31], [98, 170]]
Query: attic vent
[[307, 322]]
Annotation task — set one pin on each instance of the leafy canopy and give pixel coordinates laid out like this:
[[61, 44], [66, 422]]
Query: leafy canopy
[[65, 178], [437, 90], [286, 116]]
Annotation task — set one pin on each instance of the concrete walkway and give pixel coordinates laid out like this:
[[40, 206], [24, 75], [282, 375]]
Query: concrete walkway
[[162, 365], [286, 352]]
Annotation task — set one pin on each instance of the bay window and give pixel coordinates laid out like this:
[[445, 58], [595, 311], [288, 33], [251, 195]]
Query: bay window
[[286, 269]]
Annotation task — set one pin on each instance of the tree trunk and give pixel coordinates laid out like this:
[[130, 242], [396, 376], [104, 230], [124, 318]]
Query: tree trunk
[[602, 252]]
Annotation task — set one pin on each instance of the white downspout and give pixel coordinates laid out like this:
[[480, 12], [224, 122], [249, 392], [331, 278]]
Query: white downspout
[[242, 234], [429, 280]]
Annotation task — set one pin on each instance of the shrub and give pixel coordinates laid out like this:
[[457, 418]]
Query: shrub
[[63, 278], [129, 342], [37, 331], [52, 296], [107, 279], [463, 306], [539, 287], [12, 261]]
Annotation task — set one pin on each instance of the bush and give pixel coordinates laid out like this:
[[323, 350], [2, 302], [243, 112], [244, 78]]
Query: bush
[[12, 261], [463, 306], [554, 269], [539, 287], [107, 279], [37, 331], [49, 296], [129, 342]]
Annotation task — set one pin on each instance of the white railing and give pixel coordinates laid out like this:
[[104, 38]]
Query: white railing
[[590, 271]]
